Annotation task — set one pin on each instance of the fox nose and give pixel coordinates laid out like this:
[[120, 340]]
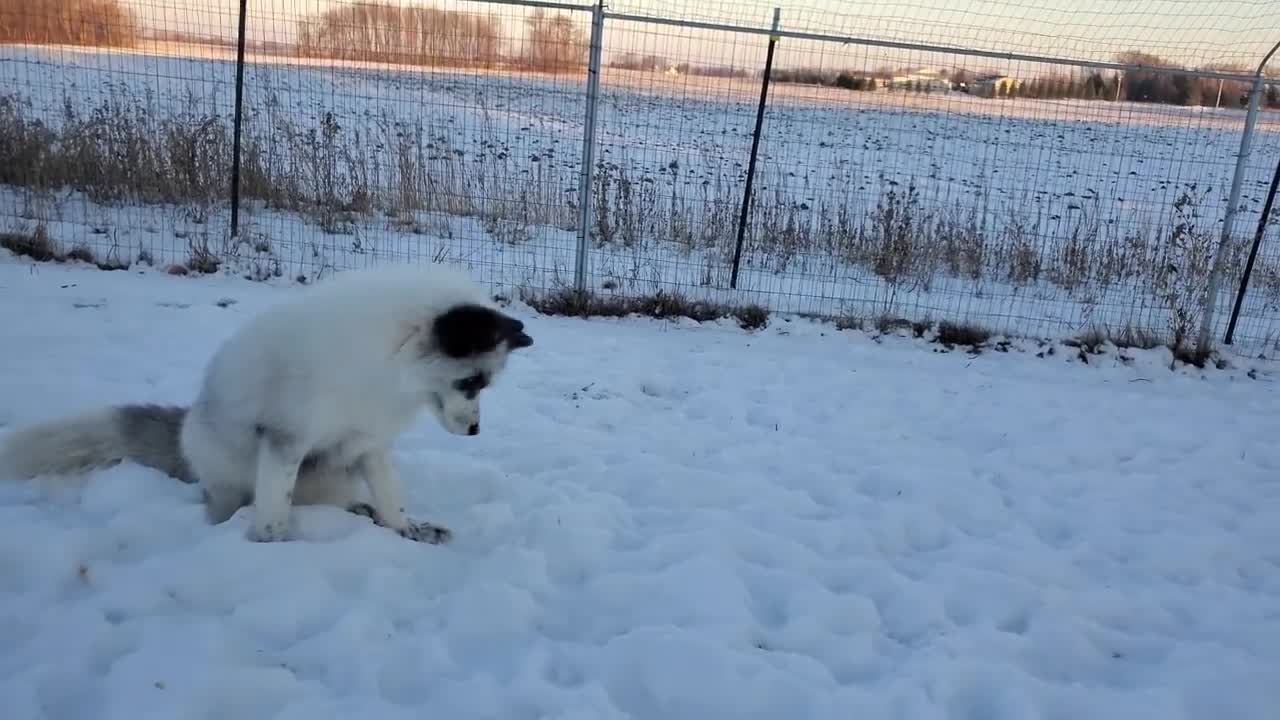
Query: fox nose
[[474, 429]]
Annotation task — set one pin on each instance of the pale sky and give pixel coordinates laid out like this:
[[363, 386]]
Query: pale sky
[[1193, 32]]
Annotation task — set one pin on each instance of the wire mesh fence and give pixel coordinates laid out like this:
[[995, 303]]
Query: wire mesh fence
[[1026, 168]]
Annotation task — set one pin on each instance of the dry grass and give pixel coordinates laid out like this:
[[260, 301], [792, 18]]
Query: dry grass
[[36, 245], [39, 246], [951, 334], [122, 152], [1093, 339], [909, 244], [661, 304], [889, 324], [118, 152]]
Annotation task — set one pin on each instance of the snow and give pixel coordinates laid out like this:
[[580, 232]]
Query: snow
[[661, 520]]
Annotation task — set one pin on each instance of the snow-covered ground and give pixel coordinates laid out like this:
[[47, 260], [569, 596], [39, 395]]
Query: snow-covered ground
[[661, 521]]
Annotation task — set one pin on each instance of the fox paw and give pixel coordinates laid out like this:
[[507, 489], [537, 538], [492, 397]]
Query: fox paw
[[427, 533], [268, 532], [418, 532]]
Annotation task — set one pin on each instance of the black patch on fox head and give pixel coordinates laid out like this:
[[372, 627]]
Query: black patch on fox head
[[471, 385], [469, 330]]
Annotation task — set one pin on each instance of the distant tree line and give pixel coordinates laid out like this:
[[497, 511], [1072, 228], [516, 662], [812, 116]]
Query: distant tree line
[[418, 35], [1093, 86], [636, 61], [377, 32], [827, 78], [1150, 86], [68, 22], [658, 63], [1140, 85], [191, 38], [553, 42], [1145, 86]]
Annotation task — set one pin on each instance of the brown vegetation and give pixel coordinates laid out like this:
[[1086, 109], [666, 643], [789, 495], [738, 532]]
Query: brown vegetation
[[553, 42], [402, 34], [429, 36], [662, 304], [69, 22]]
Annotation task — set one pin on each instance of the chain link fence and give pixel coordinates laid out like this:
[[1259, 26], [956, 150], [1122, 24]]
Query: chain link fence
[[1025, 168]]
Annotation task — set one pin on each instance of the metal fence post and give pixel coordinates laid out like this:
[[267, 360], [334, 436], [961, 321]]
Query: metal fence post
[[755, 147], [1253, 256], [586, 174], [239, 111], [1266, 208], [1228, 222]]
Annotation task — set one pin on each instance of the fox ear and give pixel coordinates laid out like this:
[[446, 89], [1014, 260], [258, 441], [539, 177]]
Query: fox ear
[[467, 330], [470, 330]]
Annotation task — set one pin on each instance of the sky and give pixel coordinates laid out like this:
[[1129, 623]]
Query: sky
[[1191, 32]]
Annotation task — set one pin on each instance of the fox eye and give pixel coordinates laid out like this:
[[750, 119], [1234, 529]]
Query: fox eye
[[472, 385]]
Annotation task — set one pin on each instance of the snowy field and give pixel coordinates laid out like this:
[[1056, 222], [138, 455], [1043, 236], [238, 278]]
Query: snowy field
[[661, 521], [1040, 217]]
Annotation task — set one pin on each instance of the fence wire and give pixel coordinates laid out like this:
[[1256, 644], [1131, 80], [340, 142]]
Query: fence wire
[[917, 179], [1223, 34], [411, 133]]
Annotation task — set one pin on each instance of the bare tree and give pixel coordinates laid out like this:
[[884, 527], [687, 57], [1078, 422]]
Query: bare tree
[[553, 43], [71, 22], [408, 35]]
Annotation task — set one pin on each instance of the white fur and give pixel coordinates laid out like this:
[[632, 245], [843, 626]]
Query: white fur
[[339, 371], [86, 441], [302, 403]]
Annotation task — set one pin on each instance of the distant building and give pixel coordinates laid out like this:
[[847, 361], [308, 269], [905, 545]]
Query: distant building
[[993, 84], [923, 80]]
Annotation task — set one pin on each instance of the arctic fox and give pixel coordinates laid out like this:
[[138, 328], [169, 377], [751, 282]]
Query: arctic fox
[[305, 400]]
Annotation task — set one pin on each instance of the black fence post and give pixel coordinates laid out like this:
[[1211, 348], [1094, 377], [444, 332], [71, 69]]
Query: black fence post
[[235, 141], [1253, 255], [755, 148]]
